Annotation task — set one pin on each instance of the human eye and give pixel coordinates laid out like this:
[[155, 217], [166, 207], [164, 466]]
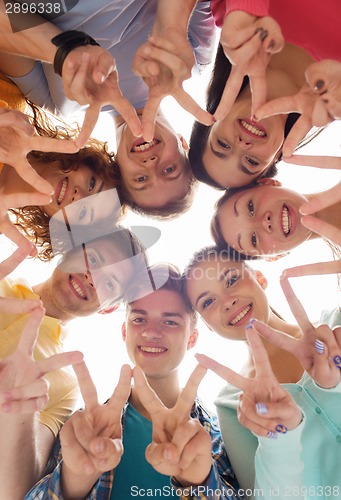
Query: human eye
[[251, 208], [138, 320], [254, 240], [82, 213], [109, 284], [169, 170], [92, 260], [231, 279], [223, 144], [251, 161], [207, 303], [92, 183], [141, 178], [170, 322]]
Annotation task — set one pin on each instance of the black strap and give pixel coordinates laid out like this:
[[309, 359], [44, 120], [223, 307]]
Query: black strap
[[67, 41]]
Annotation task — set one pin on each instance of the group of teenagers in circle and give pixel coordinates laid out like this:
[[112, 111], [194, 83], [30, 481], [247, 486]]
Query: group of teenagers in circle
[[63, 194]]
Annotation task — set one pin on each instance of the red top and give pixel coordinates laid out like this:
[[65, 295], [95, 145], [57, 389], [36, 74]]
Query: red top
[[311, 24]]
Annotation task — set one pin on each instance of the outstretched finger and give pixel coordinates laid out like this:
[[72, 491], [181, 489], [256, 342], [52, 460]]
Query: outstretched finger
[[296, 307], [322, 200], [30, 332], [260, 356], [280, 106], [8, 229], [230, 93], [90, 120], [258, 91], [280, 339], [296, 134], [86, 385], [59, 361], [129, 114], [149, 117], [314, 269], [27, 172], [18, 306], [121, 393], [189, 104], [223, 371], [147, 396], [12, 262], [14, 118], [189, 392], [314, 161], [322, 228]]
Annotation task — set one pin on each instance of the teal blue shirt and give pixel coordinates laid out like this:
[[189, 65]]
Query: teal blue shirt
[[134, 476]]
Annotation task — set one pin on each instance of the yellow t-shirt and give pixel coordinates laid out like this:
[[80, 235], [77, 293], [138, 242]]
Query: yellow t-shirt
[[63, 391], [11, 96]]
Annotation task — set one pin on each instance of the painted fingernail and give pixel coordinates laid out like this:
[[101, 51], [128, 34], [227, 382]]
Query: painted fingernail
[[319, 84], [263, 35], [272, 435], [258, 30], [252, 320], [248, 327], [337, 361], [271, 46], [261, 409], [319, 346], [281, 428]]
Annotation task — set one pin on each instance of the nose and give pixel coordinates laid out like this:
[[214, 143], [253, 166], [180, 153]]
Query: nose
[[150, 161], [88, 279], [78, 194], [229, 301], [151, 332], [267, 222], [244, 144]]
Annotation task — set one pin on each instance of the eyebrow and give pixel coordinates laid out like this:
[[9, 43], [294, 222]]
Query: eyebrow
[[223, 156], [164, 315]]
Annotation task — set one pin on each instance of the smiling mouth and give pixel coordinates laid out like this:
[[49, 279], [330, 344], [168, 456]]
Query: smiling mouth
[[286, 221], [153, 350], [240, 316], [142, 147], [249, 127], [77, 289], [62, 191]]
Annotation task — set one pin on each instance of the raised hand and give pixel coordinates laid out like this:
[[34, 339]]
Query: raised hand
[[324, 77], [90, 77], [265, 407], [318, 349], [165, 62], [23, 388], [181, 447], [91, 439], [18, 138], [248, 42]]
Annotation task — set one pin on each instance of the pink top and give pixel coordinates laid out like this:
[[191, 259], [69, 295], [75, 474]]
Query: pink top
[[311, 24]]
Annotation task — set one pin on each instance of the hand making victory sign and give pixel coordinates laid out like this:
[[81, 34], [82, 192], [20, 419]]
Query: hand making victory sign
[[91, 440], [22, 385], [181, 447], [265, 407], [318, 349]]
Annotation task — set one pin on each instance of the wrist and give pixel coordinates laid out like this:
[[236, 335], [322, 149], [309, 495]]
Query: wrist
[[74, 485], [66, 42]]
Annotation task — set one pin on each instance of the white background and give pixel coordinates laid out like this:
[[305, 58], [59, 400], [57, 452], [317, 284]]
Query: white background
[[99, 337]]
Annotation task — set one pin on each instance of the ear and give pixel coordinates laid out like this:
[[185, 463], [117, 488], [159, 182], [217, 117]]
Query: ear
[[109, 310], [192, 339], [124, 331], [268, 181], [263, 282], [273, 258], [184, 143]]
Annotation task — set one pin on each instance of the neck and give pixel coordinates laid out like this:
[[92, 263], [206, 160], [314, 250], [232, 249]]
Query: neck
[[11, 182], [44, 290], [285, 366], [167, 389]]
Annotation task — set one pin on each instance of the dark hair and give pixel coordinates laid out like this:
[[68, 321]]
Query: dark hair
[[170, 277], [220, 74], [33, 220]]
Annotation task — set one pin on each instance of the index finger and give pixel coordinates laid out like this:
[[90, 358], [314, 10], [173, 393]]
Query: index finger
[[230, 93], [30, 331], [315, 161], [280, 106], [149, 116], [325, 229], [147, 396], [188, 394], [223, 371], [86, 385], [312, 269], [322, 200], [121, 393], [128, 112], [296, 134], [258, 91], [9, 264], [90, 120], [260, 356], [27, 172], [295, 305], [189, 104]]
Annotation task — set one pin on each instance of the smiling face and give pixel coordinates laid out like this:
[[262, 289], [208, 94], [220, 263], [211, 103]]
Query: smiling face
[[91, 278], [227, 295], [71, 186], [239, 150], [263, 220], [158, 332], [154, 173]]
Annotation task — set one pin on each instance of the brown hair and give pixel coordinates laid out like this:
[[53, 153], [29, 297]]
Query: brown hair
[[32, 220]]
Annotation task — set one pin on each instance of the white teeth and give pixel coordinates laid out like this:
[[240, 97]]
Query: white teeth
[[78, 289], [286, 221], [145, 146], [152, 349], [62, 190], [252, 129], [240, 315]]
